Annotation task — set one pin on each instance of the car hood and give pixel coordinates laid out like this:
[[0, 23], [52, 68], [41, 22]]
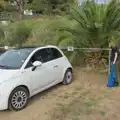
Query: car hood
[[8, 74]]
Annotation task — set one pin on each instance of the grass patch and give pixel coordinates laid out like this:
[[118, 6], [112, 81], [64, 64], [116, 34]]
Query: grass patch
[[102, 113], [83, 103], [74, 109], [75, 118], [89, 111], [90, 103], [76, 91], [60, 105]]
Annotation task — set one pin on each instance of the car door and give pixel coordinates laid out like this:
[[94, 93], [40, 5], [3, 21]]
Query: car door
[[56, 61], [43, 75]]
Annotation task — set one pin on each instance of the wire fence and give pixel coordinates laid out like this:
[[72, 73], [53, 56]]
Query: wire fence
[[92, 58]]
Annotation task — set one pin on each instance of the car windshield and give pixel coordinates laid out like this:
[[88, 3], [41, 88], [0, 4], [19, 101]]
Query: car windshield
[[1, 53], [14, 59]]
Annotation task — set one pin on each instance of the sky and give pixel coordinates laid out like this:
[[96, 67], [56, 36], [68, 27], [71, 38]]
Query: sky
[[97, 1]]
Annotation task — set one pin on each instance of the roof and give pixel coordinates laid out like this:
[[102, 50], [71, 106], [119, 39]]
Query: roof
[[34, 47], [31, 48], [24, 47]]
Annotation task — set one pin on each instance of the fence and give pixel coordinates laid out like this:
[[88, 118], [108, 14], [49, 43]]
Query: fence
[[94, 58]]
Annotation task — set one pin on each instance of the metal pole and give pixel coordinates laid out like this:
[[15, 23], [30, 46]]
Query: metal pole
[[84, 48], [109, 61]]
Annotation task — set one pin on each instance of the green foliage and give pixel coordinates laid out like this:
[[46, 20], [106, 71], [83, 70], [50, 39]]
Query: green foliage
[[10, 8], [2, 35], [5, 5], [48, 32], [50, 7], [7, 10], [2, 5], [17, 33], [1, 8], [91, 25], [39, 32], [97, 23]]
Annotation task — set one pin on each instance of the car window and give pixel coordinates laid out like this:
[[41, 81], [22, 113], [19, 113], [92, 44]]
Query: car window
[[55, 54], [44, 55], [41, 55], [14, 59]]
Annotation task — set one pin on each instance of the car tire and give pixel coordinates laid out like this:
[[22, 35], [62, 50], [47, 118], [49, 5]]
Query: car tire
[[18, 99], [67, 77]]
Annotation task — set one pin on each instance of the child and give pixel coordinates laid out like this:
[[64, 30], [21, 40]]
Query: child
[[114, 76]]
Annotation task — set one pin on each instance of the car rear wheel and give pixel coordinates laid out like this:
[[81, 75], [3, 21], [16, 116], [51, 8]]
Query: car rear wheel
[[67, 77], [18, 99]]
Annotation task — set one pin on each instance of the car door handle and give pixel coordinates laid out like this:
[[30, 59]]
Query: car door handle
[[55, 66]]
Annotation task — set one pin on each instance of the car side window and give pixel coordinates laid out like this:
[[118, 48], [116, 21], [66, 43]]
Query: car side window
[[40, 55], [55, 54], [44, 55]]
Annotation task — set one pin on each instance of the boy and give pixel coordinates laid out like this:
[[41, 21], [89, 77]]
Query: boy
[[114, 60]]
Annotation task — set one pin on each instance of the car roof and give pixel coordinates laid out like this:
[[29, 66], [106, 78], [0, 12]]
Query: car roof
[[34, 47], [27, 47]]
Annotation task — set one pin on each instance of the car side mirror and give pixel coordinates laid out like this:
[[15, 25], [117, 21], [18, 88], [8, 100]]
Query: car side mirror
[[36, 64]]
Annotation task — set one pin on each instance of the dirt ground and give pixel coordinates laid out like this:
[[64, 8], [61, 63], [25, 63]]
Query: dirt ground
[[87, 98]]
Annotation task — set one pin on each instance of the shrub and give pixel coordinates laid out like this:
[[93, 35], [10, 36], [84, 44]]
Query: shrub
[[18, 32], [2, 35], [48, 32]]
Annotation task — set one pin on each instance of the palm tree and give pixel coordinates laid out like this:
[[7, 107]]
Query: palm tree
[[96, 25]]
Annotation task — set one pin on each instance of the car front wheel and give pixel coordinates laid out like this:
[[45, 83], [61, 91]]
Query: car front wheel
[[18, 99], [67, 77]]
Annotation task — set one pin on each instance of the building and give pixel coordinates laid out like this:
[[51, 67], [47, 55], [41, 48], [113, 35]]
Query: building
[[96, 1]]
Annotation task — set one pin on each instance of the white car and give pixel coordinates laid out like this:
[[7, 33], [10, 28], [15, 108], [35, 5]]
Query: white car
[[27, 71]]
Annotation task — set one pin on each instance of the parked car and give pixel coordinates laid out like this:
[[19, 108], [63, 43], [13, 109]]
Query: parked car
[[26, 71]]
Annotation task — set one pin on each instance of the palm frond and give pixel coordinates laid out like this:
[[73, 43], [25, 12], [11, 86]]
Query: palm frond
[[96, 23]]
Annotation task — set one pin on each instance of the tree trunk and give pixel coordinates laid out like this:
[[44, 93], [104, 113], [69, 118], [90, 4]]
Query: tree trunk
[[20, 6]]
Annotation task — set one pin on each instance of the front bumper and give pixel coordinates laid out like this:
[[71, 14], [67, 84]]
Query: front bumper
[[3, 102]]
